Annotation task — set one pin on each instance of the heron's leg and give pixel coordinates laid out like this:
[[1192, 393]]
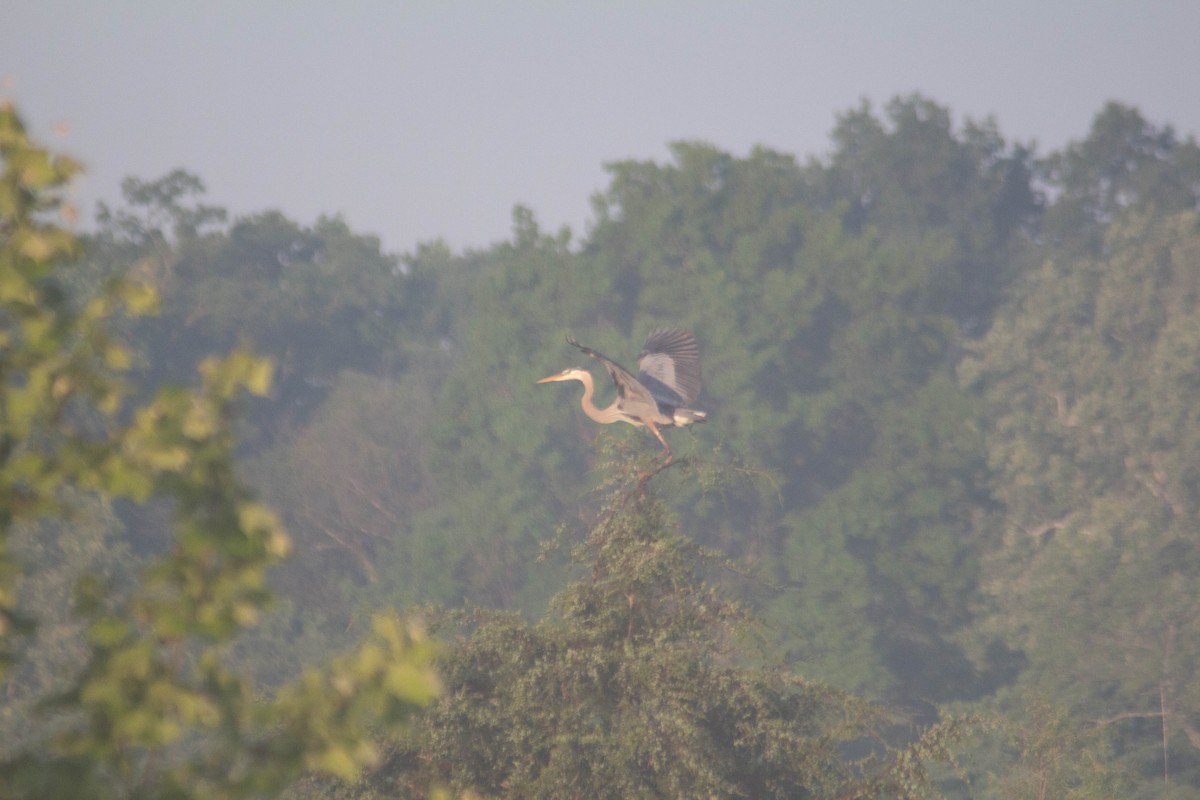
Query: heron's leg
[[666, 447]]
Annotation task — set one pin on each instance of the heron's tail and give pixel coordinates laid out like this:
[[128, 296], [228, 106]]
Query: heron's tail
[[686, 416]]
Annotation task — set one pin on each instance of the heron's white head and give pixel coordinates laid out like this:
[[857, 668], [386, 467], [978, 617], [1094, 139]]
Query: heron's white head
[[568, 374]]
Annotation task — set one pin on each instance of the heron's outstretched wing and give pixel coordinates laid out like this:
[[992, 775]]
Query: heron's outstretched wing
[[669, 365], [629, 389]]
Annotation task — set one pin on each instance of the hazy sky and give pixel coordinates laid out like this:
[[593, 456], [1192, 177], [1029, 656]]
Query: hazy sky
[[420, 120]]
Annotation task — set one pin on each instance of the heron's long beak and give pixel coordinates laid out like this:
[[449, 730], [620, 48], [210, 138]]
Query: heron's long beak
[[551, 378]]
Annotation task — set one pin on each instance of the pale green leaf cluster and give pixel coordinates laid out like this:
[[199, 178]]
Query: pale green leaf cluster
[[153, 709]]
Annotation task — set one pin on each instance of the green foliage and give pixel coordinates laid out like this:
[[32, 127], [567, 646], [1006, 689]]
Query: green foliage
[[86, 541], [1125, 164], [316, 300], [153, 709], [47, 351], [913, 177], [1038, 751], [1092, 439], [963, 371], [349, 483], [643, 680], [157, 210], [829, 335], [829, 301]]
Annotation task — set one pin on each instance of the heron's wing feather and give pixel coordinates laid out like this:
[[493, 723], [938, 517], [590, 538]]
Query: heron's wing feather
[[670, 365], [628, 387]]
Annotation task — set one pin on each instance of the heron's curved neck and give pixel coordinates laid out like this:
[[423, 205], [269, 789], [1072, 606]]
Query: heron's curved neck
[[604, 415]]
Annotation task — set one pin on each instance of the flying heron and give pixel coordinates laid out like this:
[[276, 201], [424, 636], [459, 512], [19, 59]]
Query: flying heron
[[668, 380]]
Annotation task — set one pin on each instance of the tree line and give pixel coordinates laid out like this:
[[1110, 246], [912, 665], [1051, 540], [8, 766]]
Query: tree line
[[938, 537]]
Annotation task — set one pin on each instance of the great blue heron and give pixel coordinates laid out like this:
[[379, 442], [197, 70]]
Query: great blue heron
[[668, 380]]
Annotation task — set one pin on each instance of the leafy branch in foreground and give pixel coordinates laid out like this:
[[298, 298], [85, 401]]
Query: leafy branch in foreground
[[154, 711]]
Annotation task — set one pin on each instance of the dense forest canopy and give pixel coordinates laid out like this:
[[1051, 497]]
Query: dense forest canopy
[[948, 468]]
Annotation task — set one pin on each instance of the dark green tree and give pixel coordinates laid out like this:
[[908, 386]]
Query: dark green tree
[[643, 680], [1125, 163], [826, 349], [1091, 436], [315, 299], [161, 210], [911, 175], [1038, 750]]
